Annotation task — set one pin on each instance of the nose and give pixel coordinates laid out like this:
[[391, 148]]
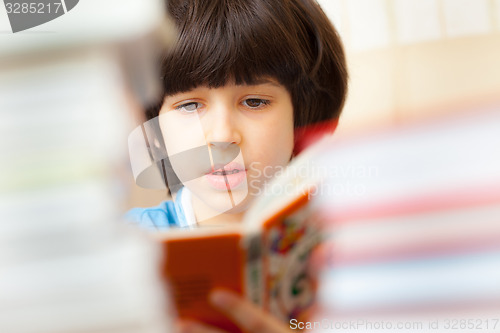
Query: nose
[[222, 129]]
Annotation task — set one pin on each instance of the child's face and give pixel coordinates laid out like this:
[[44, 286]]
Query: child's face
[[257, 119]]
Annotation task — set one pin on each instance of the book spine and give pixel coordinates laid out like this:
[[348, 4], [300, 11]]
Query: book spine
[[253, 270]]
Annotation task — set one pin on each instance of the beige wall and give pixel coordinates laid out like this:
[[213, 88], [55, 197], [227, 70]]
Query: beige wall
[[140, 197], [405, 82], [416, 58]]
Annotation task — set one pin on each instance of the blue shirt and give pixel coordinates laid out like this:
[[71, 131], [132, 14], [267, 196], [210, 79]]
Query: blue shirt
[[167, 214]]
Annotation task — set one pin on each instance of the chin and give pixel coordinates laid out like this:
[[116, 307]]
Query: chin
[[221, 203], [241, 207]]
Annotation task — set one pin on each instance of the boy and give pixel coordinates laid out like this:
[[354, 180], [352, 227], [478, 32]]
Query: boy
[[244, 78]]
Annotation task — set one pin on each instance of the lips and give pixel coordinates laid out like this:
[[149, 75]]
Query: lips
[[226, 177]]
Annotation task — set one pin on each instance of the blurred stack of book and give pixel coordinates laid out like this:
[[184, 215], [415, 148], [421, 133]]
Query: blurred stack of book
[[66, 262], [413, 217]]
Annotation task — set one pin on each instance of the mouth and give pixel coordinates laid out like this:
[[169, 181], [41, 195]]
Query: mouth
[[226, 177], [226, 169], [224, 172]]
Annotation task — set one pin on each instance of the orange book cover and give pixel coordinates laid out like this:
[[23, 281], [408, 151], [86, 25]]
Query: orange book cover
[[195, 265]]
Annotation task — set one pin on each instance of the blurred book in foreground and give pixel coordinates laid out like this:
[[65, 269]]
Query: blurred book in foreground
[[413, 217], [67, 264]]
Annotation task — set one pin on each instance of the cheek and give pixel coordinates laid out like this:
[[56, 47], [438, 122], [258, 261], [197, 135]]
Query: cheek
[[273, 140], [181, 133], [283, 135], [284, 141]]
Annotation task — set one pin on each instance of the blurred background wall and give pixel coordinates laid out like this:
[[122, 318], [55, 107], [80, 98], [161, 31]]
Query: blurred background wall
[[409, 59], [416, 58]]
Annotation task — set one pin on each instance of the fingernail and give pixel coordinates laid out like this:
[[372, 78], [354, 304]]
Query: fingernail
[[181, 328], [221, 298], [184, 326]]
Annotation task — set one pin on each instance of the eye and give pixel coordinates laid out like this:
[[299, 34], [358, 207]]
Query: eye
[[190, 107], [255, 103]]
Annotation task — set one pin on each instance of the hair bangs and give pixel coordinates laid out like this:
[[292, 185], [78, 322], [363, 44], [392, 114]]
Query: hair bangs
[[224, 42]]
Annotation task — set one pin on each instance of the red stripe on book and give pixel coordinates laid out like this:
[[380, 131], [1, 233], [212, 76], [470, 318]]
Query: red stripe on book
[[423, 204], [335, 257]]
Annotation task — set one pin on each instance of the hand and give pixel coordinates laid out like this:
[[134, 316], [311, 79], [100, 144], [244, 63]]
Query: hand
[[247, 316]]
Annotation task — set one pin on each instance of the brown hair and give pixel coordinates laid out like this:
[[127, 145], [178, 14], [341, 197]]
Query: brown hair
[[243, 41]]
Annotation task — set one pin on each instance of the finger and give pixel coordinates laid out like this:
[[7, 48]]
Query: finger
[[245, 314], [187, 326]]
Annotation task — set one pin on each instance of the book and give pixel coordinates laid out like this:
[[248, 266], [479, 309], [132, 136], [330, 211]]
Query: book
[[67, 262], [265, 258], [412, 215]]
